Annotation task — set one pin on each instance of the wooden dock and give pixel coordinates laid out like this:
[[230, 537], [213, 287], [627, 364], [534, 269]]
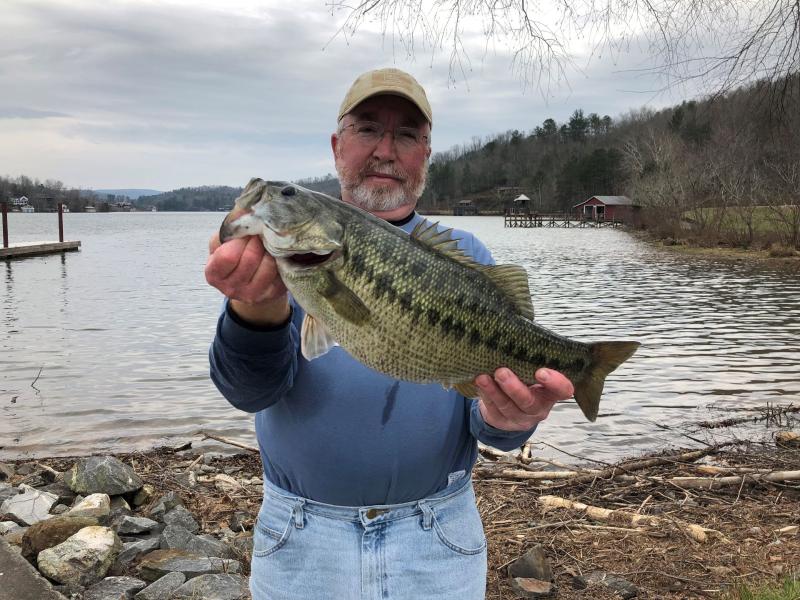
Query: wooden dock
[[36, 249], [26, 249], [527, 220]]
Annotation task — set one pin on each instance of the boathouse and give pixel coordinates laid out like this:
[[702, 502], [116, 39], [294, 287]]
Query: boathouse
[[521, 205], [608, 208], [465, 208]]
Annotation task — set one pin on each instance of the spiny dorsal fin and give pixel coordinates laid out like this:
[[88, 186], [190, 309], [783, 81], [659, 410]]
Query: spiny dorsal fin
[[511, 279], [441, 241], [513, 282]]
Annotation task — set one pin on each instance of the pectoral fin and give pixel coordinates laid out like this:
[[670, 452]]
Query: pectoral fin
[[314, 338], [343, 300]]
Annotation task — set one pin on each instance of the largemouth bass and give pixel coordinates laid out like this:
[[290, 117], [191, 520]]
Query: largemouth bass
[[413, 307]]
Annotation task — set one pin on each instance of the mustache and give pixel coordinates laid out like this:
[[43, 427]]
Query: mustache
[[385, 168]]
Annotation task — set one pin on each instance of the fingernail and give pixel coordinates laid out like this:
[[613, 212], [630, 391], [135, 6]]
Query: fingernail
[[482, 381], [501, 374], [542, 375]]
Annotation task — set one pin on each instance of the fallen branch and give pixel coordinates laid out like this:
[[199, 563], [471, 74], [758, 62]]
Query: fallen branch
[[626, 468], [536, 475], [711, 483], [695, 532], [219, 438]]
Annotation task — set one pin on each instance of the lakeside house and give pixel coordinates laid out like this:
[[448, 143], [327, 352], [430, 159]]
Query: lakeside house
[[465, 208], [27, 209], [608, 208]]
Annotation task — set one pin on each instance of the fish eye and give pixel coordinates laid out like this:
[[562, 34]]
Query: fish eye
[[288, 191]]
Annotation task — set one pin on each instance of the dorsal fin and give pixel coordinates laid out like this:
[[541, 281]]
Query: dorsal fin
[[441, 241], [512, 280]]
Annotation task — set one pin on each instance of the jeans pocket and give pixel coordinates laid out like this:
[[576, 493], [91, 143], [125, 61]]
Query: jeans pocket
[[273, 527], [458, 526]]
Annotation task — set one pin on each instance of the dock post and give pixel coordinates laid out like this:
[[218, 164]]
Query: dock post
[[60, 221], [4, 210]]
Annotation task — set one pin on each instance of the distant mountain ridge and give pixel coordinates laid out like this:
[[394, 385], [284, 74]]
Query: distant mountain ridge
[[131, 193]]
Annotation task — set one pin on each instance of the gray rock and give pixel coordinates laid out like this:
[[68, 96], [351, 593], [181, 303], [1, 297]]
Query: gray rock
[[7, 491], [49, 533], [29, 507], [129, 525], [60, 489], [213, 587], [114, 588], [102, 475], [131, 551], [27, 468], [160, 562], [525, 587], [19, 580], [6, 471], [82, 559], [8, 527], [36, 480], [177, 537], [59, 509], [532, 565], [621, 586], [162, 588], [165, 504], [208, 545], [182, 517], [153, 533], [94, 505]]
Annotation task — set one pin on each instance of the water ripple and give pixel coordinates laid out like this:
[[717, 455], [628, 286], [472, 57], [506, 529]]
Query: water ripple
[[120, 332]]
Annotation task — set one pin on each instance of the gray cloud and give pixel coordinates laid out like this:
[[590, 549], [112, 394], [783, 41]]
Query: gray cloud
[[21, 112], [206, 87]]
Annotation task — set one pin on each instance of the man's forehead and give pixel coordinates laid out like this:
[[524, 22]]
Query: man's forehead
[[376, 106]]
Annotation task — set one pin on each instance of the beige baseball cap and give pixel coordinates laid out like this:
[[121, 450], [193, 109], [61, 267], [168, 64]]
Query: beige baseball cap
[[386, 81]]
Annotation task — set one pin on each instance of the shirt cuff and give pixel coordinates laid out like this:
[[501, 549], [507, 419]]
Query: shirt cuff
[[499, 438], [246, 338]]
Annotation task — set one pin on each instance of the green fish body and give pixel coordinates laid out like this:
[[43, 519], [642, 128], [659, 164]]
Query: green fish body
[[411, 306]]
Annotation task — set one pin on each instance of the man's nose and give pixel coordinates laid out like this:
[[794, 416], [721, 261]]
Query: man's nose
[[384, 149]]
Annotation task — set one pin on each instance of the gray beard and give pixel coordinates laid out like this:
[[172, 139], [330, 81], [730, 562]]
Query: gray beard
[[380, 200]]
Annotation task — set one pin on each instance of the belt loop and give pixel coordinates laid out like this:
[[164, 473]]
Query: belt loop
[[427, 515], [297, 513]]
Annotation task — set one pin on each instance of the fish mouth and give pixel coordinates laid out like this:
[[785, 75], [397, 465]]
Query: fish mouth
[[306, 261]]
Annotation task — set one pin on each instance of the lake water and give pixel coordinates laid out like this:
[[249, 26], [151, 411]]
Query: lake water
[[106, 349]]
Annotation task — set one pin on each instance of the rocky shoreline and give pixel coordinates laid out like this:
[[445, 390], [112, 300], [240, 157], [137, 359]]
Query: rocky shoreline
[[177, 523]]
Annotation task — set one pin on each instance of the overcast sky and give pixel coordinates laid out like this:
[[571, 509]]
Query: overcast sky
[[168, 94]]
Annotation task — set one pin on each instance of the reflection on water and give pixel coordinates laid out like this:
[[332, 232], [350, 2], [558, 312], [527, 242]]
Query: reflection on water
[[120, 333]]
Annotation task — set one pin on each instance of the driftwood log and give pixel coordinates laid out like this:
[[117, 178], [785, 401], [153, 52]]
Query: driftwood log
[[694, 531]]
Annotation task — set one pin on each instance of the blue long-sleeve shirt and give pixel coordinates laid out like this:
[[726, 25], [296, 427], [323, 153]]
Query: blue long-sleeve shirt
[[334, 430]]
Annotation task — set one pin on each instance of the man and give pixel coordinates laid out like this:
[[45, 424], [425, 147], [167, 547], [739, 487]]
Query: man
[[367, 489]]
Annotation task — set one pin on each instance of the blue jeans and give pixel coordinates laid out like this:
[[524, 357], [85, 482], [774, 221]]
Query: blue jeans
[[431, 549]]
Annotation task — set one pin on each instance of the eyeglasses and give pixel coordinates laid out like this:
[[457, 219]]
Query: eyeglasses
[[369, 133]]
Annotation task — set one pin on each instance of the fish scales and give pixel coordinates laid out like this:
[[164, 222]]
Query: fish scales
[[412, 307]]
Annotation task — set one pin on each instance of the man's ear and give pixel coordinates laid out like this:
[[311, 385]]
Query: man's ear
[[334, 143]]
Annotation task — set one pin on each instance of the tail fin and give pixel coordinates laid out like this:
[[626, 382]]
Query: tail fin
[[606, 356]]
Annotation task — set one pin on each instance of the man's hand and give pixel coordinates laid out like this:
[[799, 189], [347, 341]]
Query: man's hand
[[507, 403], [243, 271]]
